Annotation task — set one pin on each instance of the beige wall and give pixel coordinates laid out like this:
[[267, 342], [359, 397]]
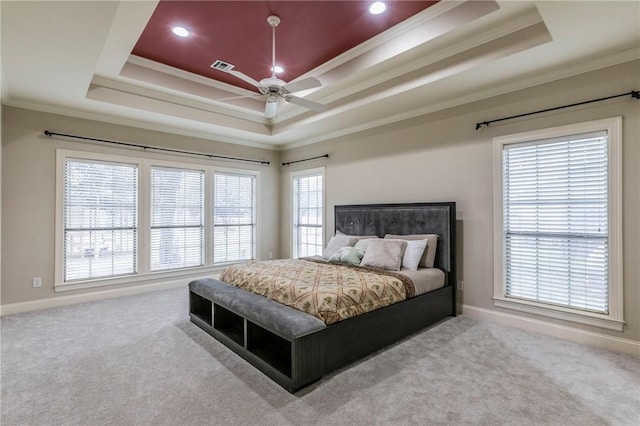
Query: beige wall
[[0, 182], [441, 157], [28, 190]]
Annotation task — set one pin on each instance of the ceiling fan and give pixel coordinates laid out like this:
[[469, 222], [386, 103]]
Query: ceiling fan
[[274, 88]]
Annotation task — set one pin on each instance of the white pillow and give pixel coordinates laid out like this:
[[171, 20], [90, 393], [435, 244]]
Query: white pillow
[[336, 243], [429, 256], [413, 254]]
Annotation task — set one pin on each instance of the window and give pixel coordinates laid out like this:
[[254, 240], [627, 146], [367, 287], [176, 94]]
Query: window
[[558, 225], [100, 219], [234, 214], [177, 218], [125, 220], [308, 212]]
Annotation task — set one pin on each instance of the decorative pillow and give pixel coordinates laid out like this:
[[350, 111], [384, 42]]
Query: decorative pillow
[[412, 254], [364, 243], [349, 255], [336, 243], [384, 254], [429, 255]]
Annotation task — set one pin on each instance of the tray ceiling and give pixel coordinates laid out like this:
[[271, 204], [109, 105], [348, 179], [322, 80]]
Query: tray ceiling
[[116, 61], [237, 32]]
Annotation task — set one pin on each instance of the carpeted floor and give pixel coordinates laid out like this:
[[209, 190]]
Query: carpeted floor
[[138, 360]]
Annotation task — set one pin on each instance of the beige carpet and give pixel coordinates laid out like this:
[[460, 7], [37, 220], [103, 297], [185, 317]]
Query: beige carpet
[[139, 361]]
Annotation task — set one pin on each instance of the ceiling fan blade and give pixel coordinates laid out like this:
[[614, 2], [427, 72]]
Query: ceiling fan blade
[[231, 98], [244, 77], [318, 107], [228, 68], [304, 84], [270, 109]]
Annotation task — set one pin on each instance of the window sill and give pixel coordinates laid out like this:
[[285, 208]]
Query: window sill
[[186, 273], [581, 317]]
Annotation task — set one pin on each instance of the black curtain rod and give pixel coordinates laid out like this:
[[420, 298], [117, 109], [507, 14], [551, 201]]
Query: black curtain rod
[[306, 159], [145, 147], [634, 94]]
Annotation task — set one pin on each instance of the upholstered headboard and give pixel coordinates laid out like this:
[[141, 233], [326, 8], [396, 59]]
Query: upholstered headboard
[[405, 219]]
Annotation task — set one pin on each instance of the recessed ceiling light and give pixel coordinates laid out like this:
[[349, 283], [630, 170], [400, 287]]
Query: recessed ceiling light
[[179, 31], [278, 69], [377, 8]]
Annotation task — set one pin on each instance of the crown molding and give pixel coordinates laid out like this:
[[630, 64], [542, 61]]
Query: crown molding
[[409, 24], [521, 84], [513, 25], [184, 99], [466, 44], [186, 75], [137, 123]]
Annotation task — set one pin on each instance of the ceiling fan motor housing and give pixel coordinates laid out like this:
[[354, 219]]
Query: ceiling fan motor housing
[[272, 82]]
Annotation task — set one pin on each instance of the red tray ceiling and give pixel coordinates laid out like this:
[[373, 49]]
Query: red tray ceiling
[[310, 33]]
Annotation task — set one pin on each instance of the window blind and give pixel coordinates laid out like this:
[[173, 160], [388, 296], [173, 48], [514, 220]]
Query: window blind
[[308, 215], [177, 218], [100, 219], [555, 221], [234, 224]]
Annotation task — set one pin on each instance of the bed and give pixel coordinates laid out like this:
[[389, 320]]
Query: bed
[[296, 349]]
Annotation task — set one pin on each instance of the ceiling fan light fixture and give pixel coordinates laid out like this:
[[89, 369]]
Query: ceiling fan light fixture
[[377, 8], [277, 69], [180, 31]]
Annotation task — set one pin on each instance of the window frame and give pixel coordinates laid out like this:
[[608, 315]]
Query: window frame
[[60, 233], [211, 216], [318, 171], [144, 273], [614, 319], [157, 165]]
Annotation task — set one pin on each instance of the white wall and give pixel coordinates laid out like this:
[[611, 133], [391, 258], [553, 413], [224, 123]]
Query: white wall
[[441, 157], [28, 193]]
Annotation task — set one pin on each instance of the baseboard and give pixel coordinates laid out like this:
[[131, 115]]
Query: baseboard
[[54, 302], [550, 329]]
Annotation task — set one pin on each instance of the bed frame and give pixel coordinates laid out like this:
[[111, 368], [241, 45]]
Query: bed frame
[[297, 359]]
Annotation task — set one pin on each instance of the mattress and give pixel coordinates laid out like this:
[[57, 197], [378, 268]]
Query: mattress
[[425, 279]]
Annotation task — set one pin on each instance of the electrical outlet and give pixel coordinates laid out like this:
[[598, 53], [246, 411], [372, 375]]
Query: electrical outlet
[[460, 285], [270, 255], [37, 282]]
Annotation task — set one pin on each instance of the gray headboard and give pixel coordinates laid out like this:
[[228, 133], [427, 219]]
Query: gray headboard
[[405, 219]]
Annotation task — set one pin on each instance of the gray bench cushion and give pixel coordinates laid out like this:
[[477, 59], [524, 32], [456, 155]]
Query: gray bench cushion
[[282, 319]]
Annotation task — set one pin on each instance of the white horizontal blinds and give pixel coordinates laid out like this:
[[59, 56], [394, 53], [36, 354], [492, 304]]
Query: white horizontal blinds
[[100, 219], [234, 222], [308, 214], [555, 221], [177, 218]]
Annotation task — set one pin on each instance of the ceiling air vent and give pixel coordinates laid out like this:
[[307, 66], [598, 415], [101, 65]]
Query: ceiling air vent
[[222, 66]]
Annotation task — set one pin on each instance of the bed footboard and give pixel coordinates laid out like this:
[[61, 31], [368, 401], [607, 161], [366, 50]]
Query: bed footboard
[[280, 341]]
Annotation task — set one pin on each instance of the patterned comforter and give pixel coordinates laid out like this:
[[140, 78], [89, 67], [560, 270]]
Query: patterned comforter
[[331, 292]]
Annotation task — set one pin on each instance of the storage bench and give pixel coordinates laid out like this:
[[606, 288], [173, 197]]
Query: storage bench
[[277, 339]]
